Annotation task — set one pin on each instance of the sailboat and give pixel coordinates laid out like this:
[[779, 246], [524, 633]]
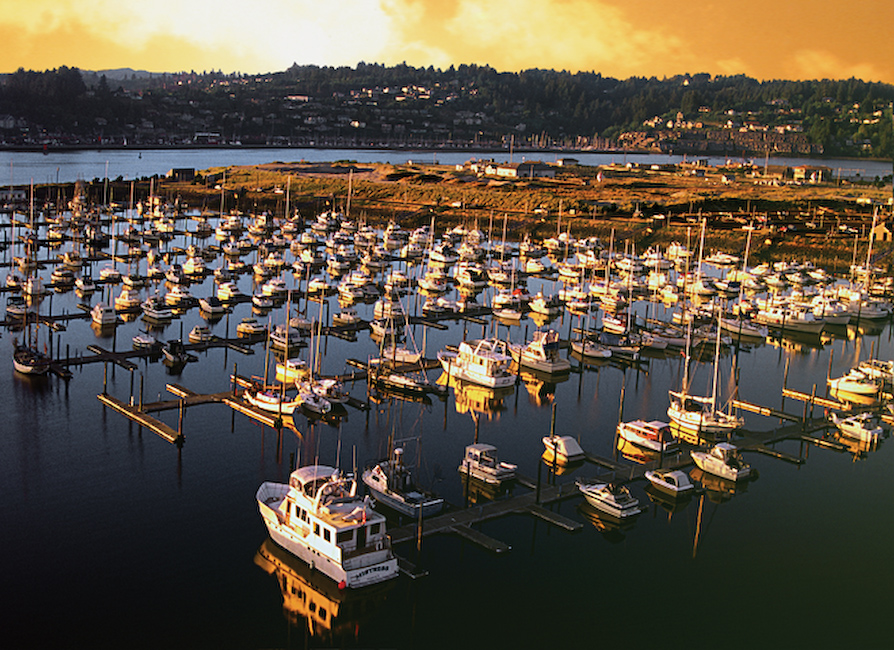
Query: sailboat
[[697, 414], [27, 358]]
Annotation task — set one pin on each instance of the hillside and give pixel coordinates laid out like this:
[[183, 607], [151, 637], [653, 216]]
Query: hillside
[[466, 107]]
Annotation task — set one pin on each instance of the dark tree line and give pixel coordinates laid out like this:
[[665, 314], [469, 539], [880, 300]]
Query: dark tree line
[[845, 116]]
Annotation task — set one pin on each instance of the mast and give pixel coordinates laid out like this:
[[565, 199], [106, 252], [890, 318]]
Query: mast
[[716, 367]]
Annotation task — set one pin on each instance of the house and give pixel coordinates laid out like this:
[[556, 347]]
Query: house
[[182, 175], [882, 232], [534, 169], [811, 173]]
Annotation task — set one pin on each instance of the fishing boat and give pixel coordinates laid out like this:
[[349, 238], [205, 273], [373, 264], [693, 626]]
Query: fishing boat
[[670, 481], [612, 498], [174, 352], [859, 427], [480, 462], [563, 450], [541, 353], [481, 361], [654, 435], [390, 482], [723, 460], [319, 518]]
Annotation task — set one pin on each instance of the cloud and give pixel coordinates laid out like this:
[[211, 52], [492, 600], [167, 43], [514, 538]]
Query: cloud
[[561, 34], [618, 38], [820, 64], [258, 36]]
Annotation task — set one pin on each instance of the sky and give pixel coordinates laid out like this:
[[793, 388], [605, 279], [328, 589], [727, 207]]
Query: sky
[[764, 39]]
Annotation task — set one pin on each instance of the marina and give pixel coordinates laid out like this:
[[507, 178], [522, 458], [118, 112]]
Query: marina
[[186, 452]]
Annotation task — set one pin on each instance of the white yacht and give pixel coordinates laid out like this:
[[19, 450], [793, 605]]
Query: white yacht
[[670, 481], [103, 314], [155, 309], [858, 426], [723, 460], [855, 382], [654, 435], [480, 461], [319, 518], [562, 450], [481, 361], [541, 353], [612, 498]]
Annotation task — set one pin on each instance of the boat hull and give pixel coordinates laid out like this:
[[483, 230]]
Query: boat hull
[[380, 565]]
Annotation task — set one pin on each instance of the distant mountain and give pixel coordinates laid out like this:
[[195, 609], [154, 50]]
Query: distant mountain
[[122, 73]]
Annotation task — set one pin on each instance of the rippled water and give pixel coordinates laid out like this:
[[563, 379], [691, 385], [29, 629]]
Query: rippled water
[[112, 537]]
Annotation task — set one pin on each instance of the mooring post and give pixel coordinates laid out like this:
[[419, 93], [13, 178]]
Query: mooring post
[[180, 420], [131, 386], [234, 379], [537, 492], [419, 533], [105, 376], [829, 371], [141, 391]]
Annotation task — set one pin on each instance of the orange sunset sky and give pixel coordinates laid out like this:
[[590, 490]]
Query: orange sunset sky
[[766, 39]]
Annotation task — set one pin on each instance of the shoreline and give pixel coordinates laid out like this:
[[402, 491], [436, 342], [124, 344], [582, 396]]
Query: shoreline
[[417, 148]]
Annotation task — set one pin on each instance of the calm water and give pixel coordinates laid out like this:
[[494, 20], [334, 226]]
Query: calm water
[[112, 537], [20, 168]]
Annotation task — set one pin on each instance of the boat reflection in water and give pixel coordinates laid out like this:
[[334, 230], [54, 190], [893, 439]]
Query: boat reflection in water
[[635, 453], [477, 491], [559, 468], [719, 490], [853, 398], [859, 449], [313, 601], [541, 386], [669, 502], [474, 398], [613, 529]]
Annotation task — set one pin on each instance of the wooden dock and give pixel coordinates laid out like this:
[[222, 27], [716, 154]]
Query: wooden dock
[[460, 522], [143, 419]]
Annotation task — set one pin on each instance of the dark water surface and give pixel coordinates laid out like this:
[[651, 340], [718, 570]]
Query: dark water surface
[[112, 537]]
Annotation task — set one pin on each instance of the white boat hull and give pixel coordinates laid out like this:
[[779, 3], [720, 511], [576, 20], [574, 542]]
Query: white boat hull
[[374, 567]]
